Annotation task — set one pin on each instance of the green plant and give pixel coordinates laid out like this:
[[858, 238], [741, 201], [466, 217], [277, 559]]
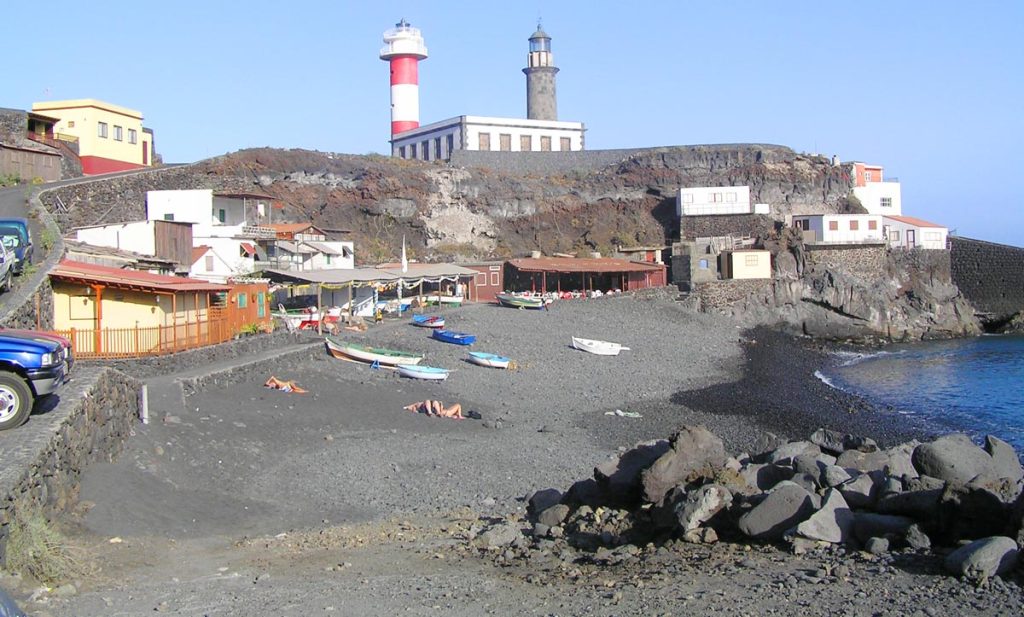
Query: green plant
[[36, 548], [47, 239], [10, 180], [251, 328]]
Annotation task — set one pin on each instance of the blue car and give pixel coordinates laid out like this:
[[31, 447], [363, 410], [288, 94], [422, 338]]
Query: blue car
[[19, 227], [32, 365]]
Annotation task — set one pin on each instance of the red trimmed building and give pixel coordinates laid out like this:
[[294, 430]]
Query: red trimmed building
[[110, 137]]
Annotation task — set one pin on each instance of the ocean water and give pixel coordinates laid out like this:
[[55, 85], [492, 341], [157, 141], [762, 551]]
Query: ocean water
[[973, 385]]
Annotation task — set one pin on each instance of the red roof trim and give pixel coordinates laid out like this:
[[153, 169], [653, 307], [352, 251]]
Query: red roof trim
[[92, 274], [575, 264]]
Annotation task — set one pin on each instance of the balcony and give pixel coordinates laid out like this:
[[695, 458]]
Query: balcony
[[259, 232]]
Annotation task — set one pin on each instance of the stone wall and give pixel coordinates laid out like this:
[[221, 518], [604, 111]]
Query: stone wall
[[90, 419], [754, 225], [30, 304], [989, 275], [123, 198], [13, 122], [542, 163], [236, 351], [719, 295], [857, 259]]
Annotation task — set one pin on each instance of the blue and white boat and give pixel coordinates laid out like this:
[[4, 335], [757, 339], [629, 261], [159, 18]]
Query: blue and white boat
[[423, 372], [428, 321], [491, 360], [456, 338]]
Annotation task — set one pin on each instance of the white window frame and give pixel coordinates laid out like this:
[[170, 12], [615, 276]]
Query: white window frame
[[101, 130], [133, 136], [885, 202], [118, 133]]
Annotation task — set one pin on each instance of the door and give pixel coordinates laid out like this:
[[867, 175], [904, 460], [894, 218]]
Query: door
[[145, 152], [911, 238]]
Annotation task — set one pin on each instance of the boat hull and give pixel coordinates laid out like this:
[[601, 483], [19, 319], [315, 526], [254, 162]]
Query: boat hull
[[352, 351], [489, 360], [599, 348], [455, 338], [519, 302], [428, 321], [423, 372]]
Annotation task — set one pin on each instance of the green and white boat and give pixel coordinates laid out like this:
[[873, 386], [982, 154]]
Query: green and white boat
[[522, 302], [347, 350]]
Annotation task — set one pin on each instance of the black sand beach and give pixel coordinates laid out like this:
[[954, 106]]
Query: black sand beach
[[339, 500]]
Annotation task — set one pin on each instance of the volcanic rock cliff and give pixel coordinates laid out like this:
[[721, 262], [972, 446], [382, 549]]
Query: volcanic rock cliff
[[496, 205]]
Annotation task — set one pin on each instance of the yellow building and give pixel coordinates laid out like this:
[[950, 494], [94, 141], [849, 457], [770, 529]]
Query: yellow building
[[110, 312], [746, 264], [110, 137]]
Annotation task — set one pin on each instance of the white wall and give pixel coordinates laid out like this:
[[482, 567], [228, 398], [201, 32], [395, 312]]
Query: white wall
[[229, 251], [137, 236], [337, 262], [931, 238], [871, 194], [821, 224], [471, 127], [192, 206], [218, 274], [703, 200]]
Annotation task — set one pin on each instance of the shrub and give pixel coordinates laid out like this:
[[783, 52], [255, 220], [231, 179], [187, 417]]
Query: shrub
[[36, 548]]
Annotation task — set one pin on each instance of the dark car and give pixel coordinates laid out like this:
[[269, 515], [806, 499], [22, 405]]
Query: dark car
[[22, 249]]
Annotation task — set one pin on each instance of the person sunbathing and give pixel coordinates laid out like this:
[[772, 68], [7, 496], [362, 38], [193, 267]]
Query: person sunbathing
[[284, 386], [436, 408]]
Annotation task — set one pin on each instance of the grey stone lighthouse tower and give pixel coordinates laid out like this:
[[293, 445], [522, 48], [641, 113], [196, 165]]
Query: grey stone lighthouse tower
[[541, 103]]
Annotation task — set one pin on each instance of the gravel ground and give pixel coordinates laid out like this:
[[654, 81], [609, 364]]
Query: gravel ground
[[337, 501]]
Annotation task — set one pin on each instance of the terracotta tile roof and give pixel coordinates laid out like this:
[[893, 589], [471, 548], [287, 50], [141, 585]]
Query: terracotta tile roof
[[289, 227], [909, 220], [88, 274], [577, 264]]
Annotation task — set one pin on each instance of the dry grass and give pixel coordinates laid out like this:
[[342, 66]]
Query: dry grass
[[37, 549]]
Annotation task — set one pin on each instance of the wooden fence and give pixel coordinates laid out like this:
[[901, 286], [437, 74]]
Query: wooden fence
[[110, 343]]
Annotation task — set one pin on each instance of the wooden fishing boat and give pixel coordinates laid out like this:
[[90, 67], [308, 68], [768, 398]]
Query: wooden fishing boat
[[491, 360], [423, 372], [456, 338], [442, 300], [347, 350], [601, 348], [521, 302], [428, 321]]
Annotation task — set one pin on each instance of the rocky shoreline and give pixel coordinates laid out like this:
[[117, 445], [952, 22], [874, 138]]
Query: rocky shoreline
[[343, 495]]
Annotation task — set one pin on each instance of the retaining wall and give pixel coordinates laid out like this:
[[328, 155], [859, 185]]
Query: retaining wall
[[863, 261], [719, 295], [989, 275], [87, 421]]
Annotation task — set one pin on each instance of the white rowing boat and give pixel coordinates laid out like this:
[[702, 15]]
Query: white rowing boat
[[419, 371], [490, 360], [600, 348]]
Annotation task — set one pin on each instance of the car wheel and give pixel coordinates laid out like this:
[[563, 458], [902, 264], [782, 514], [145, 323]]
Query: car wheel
[[7, 281], [15, 401]]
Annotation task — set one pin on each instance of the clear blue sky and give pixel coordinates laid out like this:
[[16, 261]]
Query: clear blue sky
[[933, 91]]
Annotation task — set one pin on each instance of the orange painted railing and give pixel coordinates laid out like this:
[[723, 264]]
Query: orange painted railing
[[111, 343]]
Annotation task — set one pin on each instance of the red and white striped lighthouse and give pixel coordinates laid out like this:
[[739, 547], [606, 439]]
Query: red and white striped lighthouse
[[403, 49]]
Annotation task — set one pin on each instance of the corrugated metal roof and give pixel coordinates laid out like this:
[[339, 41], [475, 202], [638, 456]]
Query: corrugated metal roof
[[87, 273], [340, 276], [909, 220], [577, 264]]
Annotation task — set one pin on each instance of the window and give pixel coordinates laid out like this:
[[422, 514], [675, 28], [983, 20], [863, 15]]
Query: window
[[894, 235], [101, 129], [867, 176], [412, 151], [703, 264], [854, 225], [328, 256], [261, 304], [505, 142], [401, 152], [833, 225], [494, 279], [715, 198], [243, 299], [687, 198], [451, 143], [209, 263], [885, 202], [525, 143], [565, 145], [425, 149], [437, 148], [730, 198], [169, 216], [485, 141], [545, 144], [222, 215], [802, 224], [133, 136], [118, 133], [750, 260], [71, 124], [872, 225]]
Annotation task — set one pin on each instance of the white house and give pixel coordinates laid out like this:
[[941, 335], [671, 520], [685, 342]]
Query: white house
[[840, 228], [169, 240], [877, 195], [436, 141], [713, 200], [909, 232], [208, 265]]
